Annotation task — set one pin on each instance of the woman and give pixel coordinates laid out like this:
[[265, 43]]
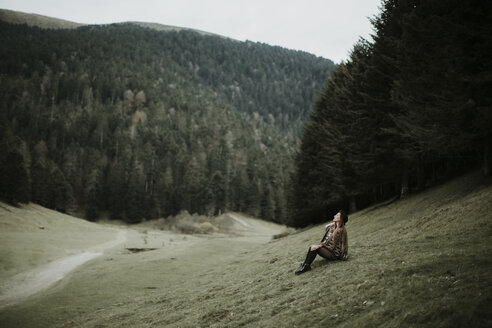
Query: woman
[[333, 246]]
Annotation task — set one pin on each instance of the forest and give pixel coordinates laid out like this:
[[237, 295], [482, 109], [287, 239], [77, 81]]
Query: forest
[[408, 109], [131, 123]]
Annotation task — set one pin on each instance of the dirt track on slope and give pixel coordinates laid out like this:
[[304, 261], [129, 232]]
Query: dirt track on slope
[[21, 286], [30, 282]]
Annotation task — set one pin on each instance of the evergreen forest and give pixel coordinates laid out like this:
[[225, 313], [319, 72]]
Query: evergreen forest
[[408, 109], [132, 123]]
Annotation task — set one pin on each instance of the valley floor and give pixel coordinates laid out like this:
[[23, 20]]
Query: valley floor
[[421, 262]]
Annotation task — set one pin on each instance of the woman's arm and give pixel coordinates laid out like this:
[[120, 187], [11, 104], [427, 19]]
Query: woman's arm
[[345, 244]]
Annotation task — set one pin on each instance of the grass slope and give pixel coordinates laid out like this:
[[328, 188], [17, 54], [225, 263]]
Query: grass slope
[[421, 262], [32, 236], [46, 22], [17, 17]]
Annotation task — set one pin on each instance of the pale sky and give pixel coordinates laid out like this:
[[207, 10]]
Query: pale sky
[[326, 28]]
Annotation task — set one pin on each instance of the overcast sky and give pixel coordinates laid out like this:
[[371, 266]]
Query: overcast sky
[[326, 28]]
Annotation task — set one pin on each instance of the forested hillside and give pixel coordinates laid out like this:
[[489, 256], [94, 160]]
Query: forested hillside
[[140, 123], [406, 110]]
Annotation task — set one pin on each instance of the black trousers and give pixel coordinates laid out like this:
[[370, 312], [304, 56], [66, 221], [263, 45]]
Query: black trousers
[[322, 251]]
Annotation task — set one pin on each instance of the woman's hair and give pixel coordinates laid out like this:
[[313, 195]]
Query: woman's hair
[[344, 216]]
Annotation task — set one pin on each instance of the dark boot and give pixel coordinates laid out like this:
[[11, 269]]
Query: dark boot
[[306, 266], [303, 268]]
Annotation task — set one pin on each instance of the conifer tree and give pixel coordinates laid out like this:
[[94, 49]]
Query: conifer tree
[[15, 171]]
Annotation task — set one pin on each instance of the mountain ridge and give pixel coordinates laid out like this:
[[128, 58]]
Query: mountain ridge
[[33, 19], [43, 21]]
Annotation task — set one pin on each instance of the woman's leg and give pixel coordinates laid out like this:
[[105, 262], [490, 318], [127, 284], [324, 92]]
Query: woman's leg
[[326, 253], [311, 255]]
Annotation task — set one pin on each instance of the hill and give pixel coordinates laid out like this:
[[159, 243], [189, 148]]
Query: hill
[[135, 123], [39, 246], [419, 262], [40, 243], [17, 17], [168, 28], [46, 22]]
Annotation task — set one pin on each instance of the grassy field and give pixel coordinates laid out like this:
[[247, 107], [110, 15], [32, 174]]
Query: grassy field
[[32, 236], [421, 262]]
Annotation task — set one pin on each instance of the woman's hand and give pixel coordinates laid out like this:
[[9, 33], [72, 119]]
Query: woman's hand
[[315, 247]]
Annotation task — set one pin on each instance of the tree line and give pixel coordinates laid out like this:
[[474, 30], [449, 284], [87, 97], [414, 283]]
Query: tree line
[[406, 110], [132, 123]]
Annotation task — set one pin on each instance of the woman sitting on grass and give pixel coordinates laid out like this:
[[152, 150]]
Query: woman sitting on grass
[[333, 246]]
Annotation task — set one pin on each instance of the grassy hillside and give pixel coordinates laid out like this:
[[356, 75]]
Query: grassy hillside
[[17, 17], [33, 235], [421, 262], [167, 28]]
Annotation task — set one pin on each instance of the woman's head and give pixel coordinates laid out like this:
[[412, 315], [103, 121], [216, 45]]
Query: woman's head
[[341, 217], [344, 216]]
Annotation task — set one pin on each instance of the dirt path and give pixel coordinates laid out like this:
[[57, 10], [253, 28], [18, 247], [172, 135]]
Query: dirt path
[[30, 282], [238, 219], [19, 287]]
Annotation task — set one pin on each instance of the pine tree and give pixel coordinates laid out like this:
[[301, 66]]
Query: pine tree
[[15, 175]]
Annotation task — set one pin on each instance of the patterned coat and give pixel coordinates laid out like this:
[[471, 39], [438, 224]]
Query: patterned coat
[[335, 240]]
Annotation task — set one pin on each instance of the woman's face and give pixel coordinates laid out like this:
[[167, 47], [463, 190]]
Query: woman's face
[[337, 218]]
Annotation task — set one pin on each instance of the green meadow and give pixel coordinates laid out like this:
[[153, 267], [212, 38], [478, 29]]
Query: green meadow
[[424, 261]]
